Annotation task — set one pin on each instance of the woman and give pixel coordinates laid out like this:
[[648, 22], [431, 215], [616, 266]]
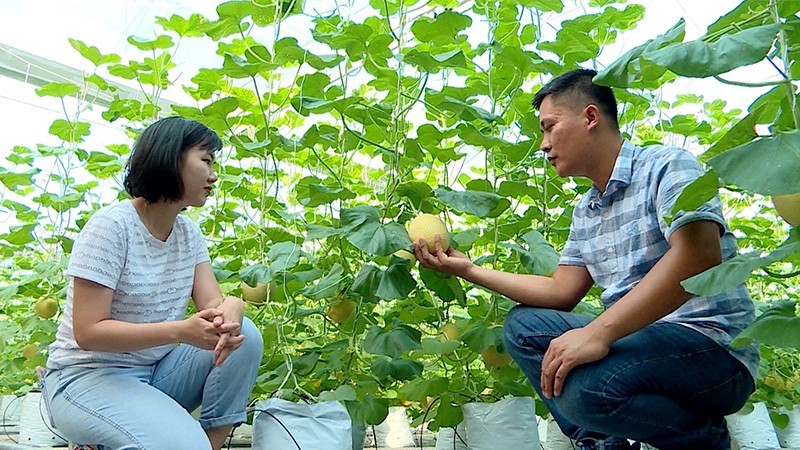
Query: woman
[[127, 366]]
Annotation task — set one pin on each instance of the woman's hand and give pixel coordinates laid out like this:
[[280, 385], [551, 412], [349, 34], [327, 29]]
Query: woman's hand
[[200, 330], [451, 261], [229, 322]]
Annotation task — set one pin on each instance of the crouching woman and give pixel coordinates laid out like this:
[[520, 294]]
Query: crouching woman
[[127, 365]]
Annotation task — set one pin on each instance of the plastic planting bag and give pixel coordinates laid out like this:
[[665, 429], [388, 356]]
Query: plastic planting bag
[[555, 438], [34, 423], [452, 438], [507, 424], [394, 431], [283, 425], [789, 437], [753, 430]]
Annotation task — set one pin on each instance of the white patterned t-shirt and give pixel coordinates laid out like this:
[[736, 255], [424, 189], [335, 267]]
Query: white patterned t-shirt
[[152, 280]]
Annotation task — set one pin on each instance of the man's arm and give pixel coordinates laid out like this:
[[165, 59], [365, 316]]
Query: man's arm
[[694, 248], [562, 291]]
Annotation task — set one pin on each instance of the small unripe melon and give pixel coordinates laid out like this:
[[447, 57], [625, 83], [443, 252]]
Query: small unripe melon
[[788, 207], [427, 226]]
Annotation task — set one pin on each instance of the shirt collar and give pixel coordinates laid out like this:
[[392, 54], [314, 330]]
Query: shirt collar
[[620, 177]]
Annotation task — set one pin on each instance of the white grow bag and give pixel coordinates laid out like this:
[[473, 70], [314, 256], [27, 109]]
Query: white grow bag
[[283, 425], [507, 424], [34, 423], [753, 430]]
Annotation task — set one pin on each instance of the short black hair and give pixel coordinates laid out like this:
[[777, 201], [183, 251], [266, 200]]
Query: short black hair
[[153, 170], [578, 83]]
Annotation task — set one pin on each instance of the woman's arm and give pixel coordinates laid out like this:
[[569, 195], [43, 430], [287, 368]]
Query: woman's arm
[[94, 329]]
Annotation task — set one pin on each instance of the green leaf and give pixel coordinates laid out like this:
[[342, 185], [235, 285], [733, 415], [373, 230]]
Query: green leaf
[[441, 30], [629, 69], [371, 410], [256, 274], [700, 59], [478, 337], [418, 390], [540, 258], [341, 394], [283, 256], [14, 180], [364, 230], [742, 132], [767, 166], [695, 194], [396, 281], [69, 131], [779, 326], [435, 62], [191, 27], [448, 413], [481, 204], [58, 90], [446, 287], [93, 54], [312, 192], [321, 231], [737, 270], [543, 5], [393, 340], [437, 347], [159, 43], [328, 286], [400, 369], [19, 234], [367, 282]]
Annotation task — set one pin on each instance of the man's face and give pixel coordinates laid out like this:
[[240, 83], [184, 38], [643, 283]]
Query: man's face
[[565, 131]]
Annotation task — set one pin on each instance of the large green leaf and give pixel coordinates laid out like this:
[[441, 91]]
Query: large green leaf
[[312, 192], [442, 29], [481, 204], [700, 59], [540, 258], [393, 340], [365, 230], [446, 287], [283, 256], [396, 281], [329, 286], [768, 166], [737, 270], [630, 70], [418, 390], [779, 326], [695, 194], [400, 369]]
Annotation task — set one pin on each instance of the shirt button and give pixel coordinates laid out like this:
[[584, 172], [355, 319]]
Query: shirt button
[[610, 249], [606, 215]]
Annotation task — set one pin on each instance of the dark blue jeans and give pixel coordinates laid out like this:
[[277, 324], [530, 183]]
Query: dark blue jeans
[[666, 385]]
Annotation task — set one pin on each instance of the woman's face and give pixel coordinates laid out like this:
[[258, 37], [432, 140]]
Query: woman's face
[[197, 173]]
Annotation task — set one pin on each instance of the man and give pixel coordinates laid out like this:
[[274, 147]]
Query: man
[[655, 366]]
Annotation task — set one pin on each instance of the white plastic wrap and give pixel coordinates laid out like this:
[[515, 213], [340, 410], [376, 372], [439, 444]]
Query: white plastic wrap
[[394, 431], [35, 429], [284, 425], [507, 424], [789, 437], [452, 438], [753, 431]]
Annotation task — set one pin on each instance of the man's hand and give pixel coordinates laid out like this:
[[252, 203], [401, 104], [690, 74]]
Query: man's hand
[[451, 261], [571, 349]]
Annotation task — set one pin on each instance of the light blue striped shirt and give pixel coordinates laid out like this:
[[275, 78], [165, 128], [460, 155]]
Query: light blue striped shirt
[[621, 234]]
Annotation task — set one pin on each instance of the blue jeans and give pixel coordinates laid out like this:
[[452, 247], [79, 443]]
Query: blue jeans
[[148, 407], [666, 385]]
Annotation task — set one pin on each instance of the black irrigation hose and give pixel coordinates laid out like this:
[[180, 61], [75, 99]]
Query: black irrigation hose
[[5, 426], [282, 425]]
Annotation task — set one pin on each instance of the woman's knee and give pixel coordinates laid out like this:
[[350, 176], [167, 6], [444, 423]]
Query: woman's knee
[[253, 342]]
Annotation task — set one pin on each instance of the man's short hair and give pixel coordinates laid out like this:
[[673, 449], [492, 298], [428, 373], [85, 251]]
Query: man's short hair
[[153, 170], [578, 85]]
